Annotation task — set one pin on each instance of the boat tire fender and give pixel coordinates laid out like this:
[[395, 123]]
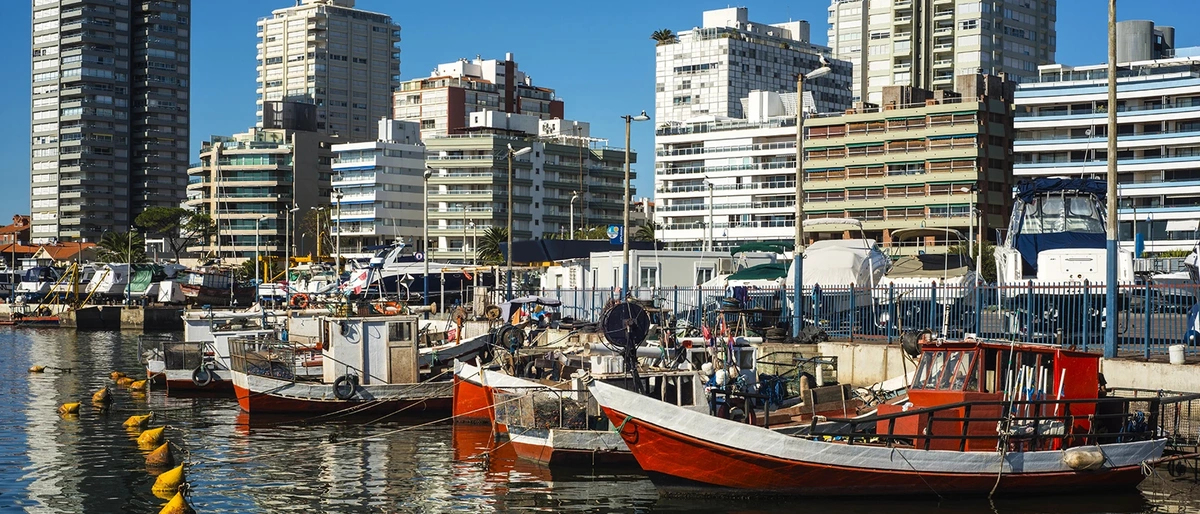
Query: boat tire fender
[[344, 387], [202, 376]]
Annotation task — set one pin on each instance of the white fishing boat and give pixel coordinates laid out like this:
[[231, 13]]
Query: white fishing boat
[[833, 266]]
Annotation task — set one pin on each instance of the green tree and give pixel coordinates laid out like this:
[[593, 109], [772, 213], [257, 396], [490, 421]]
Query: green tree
[[664, 37], [122, 247], [489, 251], [988, 262], [179, 227], [645, 232]]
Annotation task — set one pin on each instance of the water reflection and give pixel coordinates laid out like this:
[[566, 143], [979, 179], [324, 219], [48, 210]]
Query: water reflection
[[90, 463]]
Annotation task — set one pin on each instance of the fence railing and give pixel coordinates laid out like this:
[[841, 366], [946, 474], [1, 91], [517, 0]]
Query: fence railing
[[1150, 317]]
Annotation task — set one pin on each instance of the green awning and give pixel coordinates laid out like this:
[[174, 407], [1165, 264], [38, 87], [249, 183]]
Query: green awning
[[952, 136], [769, 271], [963, 158], [760, 247], [859, 145]]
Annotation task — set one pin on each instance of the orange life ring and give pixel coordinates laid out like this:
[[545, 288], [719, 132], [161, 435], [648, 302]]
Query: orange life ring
[[299, 301]]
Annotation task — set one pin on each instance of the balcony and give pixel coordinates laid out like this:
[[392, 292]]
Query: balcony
[[943, 47], [942, 63], [943, 14], [902, 66], [943, 31], [903, 20]]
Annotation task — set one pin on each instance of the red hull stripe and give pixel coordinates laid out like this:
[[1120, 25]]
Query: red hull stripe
[[268, 403], [472, 403], [686, 465]]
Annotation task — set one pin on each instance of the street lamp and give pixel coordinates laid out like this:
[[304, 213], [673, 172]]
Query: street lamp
[[425, 236], [711, 219], [512, 152], [464, 224], [474, 244], [629, 119], [798, 244], [574, 196], [337, 245], [257, 256], [973, 190], [287, 252], [318, 235], [129, 262]]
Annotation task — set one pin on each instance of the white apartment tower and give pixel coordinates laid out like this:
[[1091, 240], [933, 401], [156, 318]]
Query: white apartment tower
[[109, 124], [708, 70], [327, 53], [926, 43], [377, 187]]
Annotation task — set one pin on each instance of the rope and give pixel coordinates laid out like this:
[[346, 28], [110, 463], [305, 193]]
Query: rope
[[622, 425], [919, 475]]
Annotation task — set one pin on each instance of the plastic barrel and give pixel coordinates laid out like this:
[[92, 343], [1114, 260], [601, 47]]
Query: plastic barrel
[[1176, 353]]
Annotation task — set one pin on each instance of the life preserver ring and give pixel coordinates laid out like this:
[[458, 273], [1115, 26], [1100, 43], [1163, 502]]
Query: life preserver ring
[[202, 376], [344, 387], [299, 301]]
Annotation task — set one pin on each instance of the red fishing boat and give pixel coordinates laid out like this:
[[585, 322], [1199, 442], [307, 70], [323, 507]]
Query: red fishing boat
[[981, 417]]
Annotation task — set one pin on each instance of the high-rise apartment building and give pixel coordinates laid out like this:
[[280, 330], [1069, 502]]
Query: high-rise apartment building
[[249, 182], [708, 70], [1062, 128], [925, 43], [109, 128], [469, 188], [444, 101], [377, 186], [925, 162], [329, 54]]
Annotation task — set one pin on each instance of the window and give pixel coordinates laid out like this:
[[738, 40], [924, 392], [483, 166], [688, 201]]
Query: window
[[648, 277], [703, 275]]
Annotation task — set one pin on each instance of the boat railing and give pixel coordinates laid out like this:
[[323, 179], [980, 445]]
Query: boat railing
[[545, 407], [1027, 425], [1180, 417]]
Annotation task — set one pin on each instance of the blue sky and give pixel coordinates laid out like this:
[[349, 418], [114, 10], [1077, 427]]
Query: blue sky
[[597, 55]]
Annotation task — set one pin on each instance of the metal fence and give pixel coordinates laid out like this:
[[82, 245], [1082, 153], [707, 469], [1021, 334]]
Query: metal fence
[[1150, 318]]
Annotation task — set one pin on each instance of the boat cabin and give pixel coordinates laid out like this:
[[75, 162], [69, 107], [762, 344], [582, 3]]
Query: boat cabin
[[992, 373]]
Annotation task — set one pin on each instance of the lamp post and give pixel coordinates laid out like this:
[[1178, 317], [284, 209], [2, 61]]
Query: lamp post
[[574, 196], [711, 219], [464, 224], [129, 262], [257, 256], [629, 119], [287, 253], [474, 244], [319, 210], [337, 245], [425, 237], [511, 153], [1110, 327], [798, 244]]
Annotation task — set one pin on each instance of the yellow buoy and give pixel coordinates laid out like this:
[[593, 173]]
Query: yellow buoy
[[177, 505], [136, 421], [69, 408], [151, 437], [138, 385], [116, 375], [37, 369], [161, 457], [124, 381], [102, 396], [168, 482]]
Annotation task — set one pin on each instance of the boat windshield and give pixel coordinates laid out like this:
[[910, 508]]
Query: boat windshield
[[947, 371], [1053, 214]]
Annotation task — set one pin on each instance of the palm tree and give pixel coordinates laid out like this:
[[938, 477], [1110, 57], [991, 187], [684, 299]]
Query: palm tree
[[664, 37], [645, 232], [122, 247], [490, 244]]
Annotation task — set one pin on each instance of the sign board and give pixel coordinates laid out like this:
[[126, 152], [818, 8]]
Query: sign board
[[616, 234], [1182, 225], [419, 256]]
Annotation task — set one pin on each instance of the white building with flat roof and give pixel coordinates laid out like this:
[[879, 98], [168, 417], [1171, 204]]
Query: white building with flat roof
[[1062, 127], [377, 189], [709, 69]]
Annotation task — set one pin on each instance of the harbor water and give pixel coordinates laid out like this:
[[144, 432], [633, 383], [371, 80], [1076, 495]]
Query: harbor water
[[400, 463]]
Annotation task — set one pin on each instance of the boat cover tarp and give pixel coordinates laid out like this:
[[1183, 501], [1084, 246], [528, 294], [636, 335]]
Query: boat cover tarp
[[141, 280], [930, 266], [839, 262], [769, 271], [1027, 189], [1029, 245], [761, 247]]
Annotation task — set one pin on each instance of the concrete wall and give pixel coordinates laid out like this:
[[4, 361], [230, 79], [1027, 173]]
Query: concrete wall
[[1151, 375]]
